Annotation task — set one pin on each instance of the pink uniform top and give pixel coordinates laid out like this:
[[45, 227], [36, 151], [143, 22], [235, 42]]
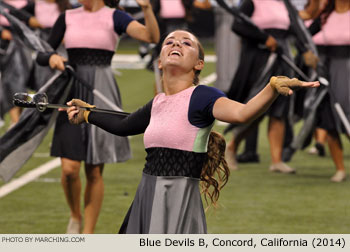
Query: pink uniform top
[[173, 121], [270, 14], [93, 30], [172, 9], [46, 13], [171, 118], [336, 31], [15, 3]]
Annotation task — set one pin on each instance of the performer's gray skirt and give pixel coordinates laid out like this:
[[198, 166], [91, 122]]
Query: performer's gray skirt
[[41, 74], [166, 205], [87, 142], [339, 70]]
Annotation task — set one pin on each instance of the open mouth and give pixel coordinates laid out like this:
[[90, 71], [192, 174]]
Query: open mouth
[[175, 52]]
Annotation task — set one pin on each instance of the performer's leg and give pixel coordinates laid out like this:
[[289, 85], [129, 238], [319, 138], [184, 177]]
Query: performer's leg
[[72, 186], [337, 156], [15, 113], [276, 135], [250, 150], [239, 133], [321, 138], [94, 192], [321, 135]]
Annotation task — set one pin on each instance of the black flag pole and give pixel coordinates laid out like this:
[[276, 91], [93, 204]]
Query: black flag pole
[[40, 102]]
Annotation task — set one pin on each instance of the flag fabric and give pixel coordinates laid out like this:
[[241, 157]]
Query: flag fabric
[[26, 35], [19, 143]]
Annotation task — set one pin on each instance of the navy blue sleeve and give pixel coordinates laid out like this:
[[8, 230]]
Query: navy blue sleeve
[[121, 21], [200, 112]]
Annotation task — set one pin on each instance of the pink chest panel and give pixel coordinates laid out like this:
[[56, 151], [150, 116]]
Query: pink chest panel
[[46, 13], [169, 126], [270, 14], [93, 30], [336, 31], [172, 9], [15, 3]]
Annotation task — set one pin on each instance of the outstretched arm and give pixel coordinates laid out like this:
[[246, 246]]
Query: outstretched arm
[[234, 112], [150, 31], [133, 124]]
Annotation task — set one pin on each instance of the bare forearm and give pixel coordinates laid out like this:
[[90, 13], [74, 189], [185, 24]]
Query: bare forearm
[[151, 24], [234, 112]]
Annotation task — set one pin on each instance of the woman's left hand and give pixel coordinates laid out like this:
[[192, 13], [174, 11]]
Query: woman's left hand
[[310, 59], [143, 3], [285, 86], [34, 23]]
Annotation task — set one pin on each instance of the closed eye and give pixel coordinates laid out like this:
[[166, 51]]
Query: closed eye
[[169, 42]]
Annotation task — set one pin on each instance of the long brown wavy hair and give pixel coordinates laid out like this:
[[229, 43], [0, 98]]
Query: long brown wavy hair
[[215, 171]]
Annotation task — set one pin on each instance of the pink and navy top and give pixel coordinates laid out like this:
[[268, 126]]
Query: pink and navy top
[[46, 13], [172, 9], [18, 4], [90, 37], [270, 14], [333, 37], [176, 130], [336, 31]]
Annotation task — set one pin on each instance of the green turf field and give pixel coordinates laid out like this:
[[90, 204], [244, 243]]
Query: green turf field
[[253, 201]]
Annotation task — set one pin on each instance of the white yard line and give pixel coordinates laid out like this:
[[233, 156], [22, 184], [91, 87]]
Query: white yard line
[[28, 177], [208, 79]]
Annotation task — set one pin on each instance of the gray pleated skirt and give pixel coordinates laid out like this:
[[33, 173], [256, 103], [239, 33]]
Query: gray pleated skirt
[[166, 205], [87, 142], [339, 70]]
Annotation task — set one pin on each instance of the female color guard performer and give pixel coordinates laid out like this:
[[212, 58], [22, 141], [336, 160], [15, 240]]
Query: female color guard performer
[[176, 126], [15, 63], [332, 35], [271, 16], [90, 34], [46, 13]]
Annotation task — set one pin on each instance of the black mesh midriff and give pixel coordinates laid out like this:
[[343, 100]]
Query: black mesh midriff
[[172, 162], [277, 33], [335, 51], [87, 56]]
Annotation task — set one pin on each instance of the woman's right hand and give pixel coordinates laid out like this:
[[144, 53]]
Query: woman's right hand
[[76, 115], [57, 62], [271, 43]]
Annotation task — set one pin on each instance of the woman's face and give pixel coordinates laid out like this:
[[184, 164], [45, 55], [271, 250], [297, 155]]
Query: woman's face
[[180, 49]]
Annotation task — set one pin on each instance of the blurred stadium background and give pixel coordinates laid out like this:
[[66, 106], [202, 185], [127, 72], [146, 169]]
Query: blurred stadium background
[[253, 201]]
